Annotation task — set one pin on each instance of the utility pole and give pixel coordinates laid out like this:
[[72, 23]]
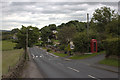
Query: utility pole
[[26, 43], [88, 27], [27, 37]]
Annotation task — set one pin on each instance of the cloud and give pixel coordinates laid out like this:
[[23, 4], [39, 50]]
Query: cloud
[[41, 14], [60, 1]]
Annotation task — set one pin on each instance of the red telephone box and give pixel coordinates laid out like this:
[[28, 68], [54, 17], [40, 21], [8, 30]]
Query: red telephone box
[[93, 45]]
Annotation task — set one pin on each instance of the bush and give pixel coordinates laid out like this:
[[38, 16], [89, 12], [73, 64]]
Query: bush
[[112, 46], [17, 46], [39, 43], [81, 42], [14, 41], [48, 50], [100, 46], [62, 47]]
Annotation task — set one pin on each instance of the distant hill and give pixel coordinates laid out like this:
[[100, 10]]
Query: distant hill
[[4, 30]]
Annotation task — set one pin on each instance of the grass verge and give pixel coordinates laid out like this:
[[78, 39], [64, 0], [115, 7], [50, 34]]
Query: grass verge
[[85, 55], [59, 54], [110, 62], [10, 58], [44, 48]]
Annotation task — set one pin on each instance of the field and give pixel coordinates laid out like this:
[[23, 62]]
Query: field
[[10, 56], [7, 45], [0, 59]]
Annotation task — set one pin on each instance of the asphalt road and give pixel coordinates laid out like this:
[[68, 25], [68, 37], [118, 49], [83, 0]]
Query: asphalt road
[[56, 67]]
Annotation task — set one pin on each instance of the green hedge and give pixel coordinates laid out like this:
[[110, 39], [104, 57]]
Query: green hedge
[[100, 46], [81, 42], [62, 47], [112, 46]]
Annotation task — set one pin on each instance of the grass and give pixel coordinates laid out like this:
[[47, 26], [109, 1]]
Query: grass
[[10, 58], [0, 59], [59, 54], [110, 62], [56, 40], [7, 45], [0, 64], [44, 48], [85, 55]]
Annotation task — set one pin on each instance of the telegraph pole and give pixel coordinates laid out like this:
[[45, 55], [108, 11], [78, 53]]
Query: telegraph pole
[[26, 43], [88, 27]]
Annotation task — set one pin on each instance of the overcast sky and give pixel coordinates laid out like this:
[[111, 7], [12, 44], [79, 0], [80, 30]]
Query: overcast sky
[[16, 13]]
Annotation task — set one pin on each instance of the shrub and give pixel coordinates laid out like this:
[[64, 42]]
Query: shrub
[[100, 46], [81, 42], [48, 50], [39, 43], [112, 46], [17, 46], [62, 47]]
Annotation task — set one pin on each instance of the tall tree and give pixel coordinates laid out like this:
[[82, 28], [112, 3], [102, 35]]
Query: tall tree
[[80, 26], [46, 32], [112, 29], [27, 36], [66, 34], [102, 17], [15, 30]]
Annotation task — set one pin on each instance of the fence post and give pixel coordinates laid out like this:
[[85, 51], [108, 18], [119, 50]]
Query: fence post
[[9, 69]]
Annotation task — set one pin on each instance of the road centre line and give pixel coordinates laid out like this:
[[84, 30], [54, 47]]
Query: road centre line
[[33, 56], [36, 56], [93, 77], [73, 69], [40, 56]]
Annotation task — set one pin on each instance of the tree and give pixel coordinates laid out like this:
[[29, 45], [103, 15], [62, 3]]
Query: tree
[[46, 32], [15, 30], [81, 42], [102, 17], [80, 26], [52, 27], [6, 35], [66, 34], [112, 29], [27, 37], [62, 25]]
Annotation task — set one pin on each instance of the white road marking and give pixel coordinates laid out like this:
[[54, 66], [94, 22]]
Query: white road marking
[[36, 56], [33, 56], [40, 56], [91, 76], [73, 69]]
